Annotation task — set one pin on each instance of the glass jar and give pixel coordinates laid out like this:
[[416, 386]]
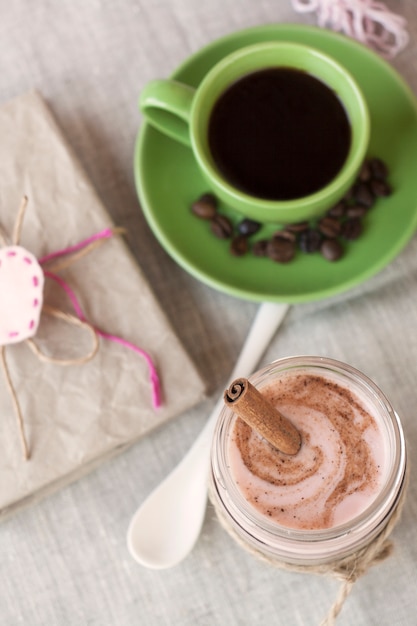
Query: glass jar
[[300, 547]]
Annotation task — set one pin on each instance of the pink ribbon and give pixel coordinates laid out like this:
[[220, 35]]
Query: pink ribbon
[[107, 233]]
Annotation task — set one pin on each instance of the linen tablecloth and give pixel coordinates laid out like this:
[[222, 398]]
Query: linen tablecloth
[[65, 561]]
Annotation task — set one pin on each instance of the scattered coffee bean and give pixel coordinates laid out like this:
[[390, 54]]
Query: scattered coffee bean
[[365, 172], [352, 228], [338, 210], [341, 221], [363, 195], [285, 234], [378, 169], [239, 245], [356, 210], [349, 196], [298, 227], [310, 240], [248, 227], [280, 250], [329, 227], [331, 249], [380, 188], [260, 247], [205, 207], [211, 198], [221, 226]]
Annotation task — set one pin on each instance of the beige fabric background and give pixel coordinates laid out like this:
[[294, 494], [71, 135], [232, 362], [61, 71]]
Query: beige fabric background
[[64, 561]]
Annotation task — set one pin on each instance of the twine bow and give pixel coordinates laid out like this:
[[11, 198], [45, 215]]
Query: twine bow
[[347, 569], [22, 280]]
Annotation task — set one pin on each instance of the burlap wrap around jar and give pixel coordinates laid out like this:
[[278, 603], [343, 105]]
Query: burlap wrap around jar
[[345, 550]]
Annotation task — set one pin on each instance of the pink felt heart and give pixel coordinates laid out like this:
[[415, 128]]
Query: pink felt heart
[[21, 294]]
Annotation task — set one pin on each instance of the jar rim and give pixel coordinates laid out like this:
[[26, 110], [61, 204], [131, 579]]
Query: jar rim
[[315, 543]]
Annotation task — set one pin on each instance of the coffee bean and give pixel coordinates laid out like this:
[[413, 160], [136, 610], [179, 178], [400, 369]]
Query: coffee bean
[[329, 227], [363, 195], [310, 240], [344, 219], [280, 250], [239, 245], [349, 195], [380, 188], [379, 169], [356, 210], [210, 197], [365, 172], [331, 249], [205, 207], [260, 247], [221, 226], [338, 210], [352, 228], [248, 227], [285, 234], [297, 227]]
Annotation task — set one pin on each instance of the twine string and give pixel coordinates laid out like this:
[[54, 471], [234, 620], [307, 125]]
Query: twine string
[[71, 319], [15, 402], [12, 392], [347, 569], [58, 260], [369, 21], [73, 253], [4, 240], [46, 359], [19, 221], [153, 374]]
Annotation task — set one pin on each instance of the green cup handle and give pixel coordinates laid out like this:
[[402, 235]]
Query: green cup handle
[[166, 105]]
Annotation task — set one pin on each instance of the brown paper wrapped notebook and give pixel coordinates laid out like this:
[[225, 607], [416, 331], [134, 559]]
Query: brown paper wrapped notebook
[[76, 416]]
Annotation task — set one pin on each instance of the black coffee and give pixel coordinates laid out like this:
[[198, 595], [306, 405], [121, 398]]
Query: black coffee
[[279, 134]]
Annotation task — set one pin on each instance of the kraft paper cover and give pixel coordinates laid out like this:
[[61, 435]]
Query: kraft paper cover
[[76, 416]]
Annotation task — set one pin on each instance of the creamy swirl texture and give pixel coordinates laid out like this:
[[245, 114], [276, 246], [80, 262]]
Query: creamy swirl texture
[[339, 469]]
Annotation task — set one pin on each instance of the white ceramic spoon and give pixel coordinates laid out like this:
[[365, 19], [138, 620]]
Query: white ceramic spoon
[[166, 526]]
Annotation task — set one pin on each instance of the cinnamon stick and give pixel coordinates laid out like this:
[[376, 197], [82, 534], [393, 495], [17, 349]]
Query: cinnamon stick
[[246, 401]]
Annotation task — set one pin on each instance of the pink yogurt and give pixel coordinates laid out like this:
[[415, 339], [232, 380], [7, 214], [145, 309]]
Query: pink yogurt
[[341, 464]]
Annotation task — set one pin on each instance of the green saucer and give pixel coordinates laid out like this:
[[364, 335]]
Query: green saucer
[[168, 181]]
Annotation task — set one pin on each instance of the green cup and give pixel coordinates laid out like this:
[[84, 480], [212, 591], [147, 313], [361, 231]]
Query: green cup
[[183, 113]]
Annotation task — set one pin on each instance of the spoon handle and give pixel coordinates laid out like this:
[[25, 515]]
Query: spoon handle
[[166, 526], [264, 326]]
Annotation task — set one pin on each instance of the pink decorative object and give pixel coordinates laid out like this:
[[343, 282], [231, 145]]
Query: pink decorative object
[[21, 304], [368, 21], [21, 294]]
